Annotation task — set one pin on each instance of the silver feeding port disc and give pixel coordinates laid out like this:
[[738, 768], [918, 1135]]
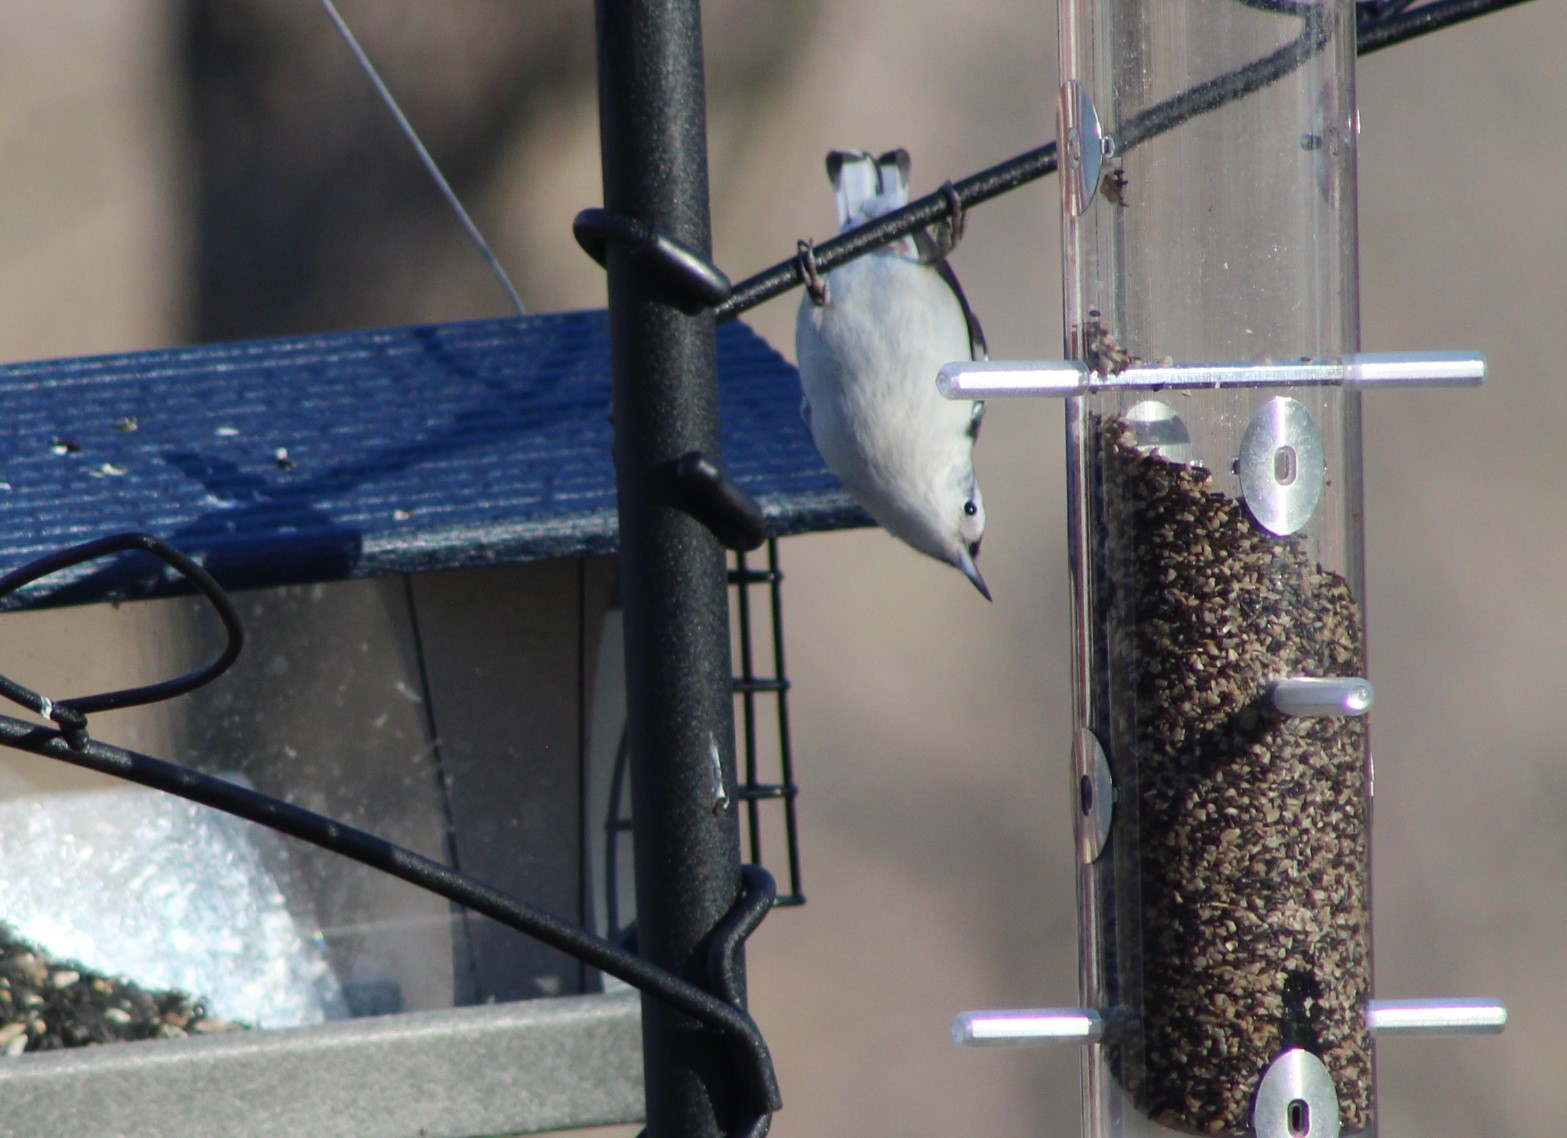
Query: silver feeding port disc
[[1094, 795], [1296, 1099], [1161, 431], [1080, 143], [1281, 466]]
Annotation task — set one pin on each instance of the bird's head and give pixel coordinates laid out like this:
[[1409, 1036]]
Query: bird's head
[[970, 531], [947, 521]]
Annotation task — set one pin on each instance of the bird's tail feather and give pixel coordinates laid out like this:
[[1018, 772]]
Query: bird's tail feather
[[867, 186]]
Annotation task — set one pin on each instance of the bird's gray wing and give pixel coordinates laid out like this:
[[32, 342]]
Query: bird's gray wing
[[805, 410], [976, 334]]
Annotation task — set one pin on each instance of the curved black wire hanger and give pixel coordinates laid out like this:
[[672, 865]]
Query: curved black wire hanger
[[70, 743], [71, 714], [426, 873]]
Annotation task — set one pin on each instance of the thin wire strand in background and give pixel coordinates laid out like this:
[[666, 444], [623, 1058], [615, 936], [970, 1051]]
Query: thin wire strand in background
[[424, 156]]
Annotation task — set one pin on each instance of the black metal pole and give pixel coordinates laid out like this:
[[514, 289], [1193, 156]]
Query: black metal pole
[[680, 717]]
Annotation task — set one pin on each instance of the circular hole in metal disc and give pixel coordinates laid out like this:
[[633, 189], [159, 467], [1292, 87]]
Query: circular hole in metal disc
[[1296, 1099], [1095, 795]]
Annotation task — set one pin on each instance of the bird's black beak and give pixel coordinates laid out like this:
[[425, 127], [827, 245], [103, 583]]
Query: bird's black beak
[[971, 571]]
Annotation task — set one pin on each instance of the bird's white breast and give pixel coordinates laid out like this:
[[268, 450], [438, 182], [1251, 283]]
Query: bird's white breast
[[868, 362]]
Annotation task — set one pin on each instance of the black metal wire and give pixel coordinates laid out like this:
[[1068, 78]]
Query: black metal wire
[[725, 955], [71, 713], [758, 894], [1226, 88], [971, 191], [750, 788], [1400, 25], [785, 747], [1374, 32], [71, 744], [745, 686], [416, 869]]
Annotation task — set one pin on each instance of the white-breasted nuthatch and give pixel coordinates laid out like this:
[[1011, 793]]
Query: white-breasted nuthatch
[[870, 339]]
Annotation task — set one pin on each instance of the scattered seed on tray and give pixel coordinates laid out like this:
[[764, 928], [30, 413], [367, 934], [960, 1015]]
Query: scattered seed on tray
[[47, 1004], [1251, 930]]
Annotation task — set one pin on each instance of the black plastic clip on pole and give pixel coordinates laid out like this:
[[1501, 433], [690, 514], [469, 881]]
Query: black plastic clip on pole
[[690, 281], [715, 499]]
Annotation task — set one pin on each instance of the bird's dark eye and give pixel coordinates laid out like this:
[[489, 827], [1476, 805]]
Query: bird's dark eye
[[970, 507]]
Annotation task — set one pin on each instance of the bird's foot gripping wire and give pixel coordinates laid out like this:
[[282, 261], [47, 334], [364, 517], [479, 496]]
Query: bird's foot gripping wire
[[810, 276], [943, 237]]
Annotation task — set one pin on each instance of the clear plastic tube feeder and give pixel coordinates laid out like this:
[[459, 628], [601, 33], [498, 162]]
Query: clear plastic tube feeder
[[1221, 769], [1217, 552]]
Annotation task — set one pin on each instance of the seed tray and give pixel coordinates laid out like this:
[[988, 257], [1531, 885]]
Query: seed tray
[[47, 1004]]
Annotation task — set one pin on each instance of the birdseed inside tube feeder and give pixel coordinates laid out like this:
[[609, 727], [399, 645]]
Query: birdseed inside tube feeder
[[1251, 892]]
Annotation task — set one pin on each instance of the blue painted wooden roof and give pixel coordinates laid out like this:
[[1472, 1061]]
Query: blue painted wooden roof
[[396, 450]]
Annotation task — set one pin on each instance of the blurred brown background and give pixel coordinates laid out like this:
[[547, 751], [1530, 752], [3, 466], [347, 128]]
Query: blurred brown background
[[184, 170]]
